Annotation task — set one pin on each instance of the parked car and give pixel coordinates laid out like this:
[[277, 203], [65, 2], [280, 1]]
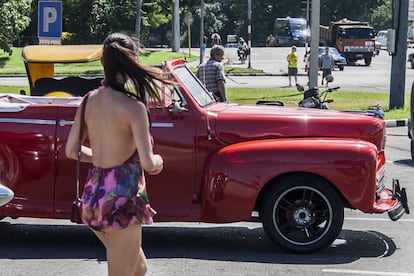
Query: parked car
[[381, 38], [411, 60], [339, 60], [42, 63], [294, 169]]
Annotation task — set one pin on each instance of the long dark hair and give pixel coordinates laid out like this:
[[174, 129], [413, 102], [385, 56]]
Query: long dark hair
[[119, 59]]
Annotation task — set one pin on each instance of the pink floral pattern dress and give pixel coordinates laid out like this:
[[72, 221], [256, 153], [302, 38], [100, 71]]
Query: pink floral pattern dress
[[116, 197]]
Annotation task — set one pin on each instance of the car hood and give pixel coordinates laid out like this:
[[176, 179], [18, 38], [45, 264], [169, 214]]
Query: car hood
[[237, 123]]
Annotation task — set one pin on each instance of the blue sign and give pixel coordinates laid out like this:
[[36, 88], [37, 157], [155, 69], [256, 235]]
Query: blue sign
[[49, 19]]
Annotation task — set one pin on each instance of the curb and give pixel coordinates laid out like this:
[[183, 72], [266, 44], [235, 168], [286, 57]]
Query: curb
[[396, 123]]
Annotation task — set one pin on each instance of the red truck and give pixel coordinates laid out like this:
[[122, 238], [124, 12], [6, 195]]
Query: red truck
[[355, 40], [294, 169]]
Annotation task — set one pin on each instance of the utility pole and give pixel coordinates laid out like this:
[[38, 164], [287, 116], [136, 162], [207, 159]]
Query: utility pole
[[138, 20], [398, 63], [201, 31], [313, 66], [249, 31], [176, 28]]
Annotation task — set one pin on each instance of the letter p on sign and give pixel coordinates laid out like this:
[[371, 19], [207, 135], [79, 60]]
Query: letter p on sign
[[49, 19]]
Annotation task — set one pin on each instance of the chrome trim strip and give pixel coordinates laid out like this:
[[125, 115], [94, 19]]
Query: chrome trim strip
[[163, 125], [63, 123], [28, 121]]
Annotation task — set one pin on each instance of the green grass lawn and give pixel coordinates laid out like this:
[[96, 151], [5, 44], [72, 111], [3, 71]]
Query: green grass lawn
[[343, 100], [14, 64], [291, 97]]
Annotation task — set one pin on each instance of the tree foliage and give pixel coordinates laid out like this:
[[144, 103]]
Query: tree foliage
[[89, 21], [109, 16], [381, 16], [13, 20]]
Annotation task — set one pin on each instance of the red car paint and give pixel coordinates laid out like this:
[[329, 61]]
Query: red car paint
[[220, 159]]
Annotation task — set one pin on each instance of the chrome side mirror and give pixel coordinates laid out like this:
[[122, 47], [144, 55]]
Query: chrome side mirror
[[175, 108]]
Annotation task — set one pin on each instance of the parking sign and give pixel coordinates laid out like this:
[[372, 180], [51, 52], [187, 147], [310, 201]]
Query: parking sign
[[49, 20]]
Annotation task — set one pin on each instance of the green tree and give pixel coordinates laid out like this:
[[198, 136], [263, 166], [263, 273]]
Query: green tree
[[381, 16], [333, 10], [109, 16], [13, 20]]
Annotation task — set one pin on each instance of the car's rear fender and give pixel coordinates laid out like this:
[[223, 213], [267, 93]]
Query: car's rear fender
[[236, 174]]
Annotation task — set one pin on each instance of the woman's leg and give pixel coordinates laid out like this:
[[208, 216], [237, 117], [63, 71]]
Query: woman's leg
[[123, 251], [141, 268]]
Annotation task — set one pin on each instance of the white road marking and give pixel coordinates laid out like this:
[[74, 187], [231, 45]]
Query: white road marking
[[379, 219], [365, 272]]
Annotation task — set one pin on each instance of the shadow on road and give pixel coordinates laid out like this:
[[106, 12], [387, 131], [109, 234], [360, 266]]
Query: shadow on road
[[238, 244], [404, 162]]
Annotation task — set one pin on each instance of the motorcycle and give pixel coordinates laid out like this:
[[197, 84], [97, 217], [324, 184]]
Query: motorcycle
[[313, 98], [242, 53]]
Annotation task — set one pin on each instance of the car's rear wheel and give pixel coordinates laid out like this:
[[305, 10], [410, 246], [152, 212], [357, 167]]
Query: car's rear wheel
[[412, 64], [367, 61], [302, 213], [341, 68]]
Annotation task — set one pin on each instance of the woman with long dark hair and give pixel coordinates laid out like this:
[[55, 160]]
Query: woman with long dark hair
[[114, 201]]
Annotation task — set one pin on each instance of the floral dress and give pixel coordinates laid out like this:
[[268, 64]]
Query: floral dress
[[114, 198]]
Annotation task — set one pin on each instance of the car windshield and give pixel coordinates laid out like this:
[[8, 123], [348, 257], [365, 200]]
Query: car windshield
[[334, 51], [194, 86], [357, 33], [297, 24]]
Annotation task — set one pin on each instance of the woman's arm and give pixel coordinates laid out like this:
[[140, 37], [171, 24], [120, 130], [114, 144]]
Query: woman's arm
[[150, 162], [72, 144]]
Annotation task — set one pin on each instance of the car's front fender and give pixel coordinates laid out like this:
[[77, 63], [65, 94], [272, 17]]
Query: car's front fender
[[236, 174]]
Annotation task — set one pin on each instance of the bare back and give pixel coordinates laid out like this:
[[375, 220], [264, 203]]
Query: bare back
[[111, 119]]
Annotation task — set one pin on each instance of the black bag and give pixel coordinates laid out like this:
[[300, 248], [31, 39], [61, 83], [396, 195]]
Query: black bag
[[76, 204], [76, 211]]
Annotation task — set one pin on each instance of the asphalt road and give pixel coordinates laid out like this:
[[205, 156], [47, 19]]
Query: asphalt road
[[367, 245], [356, 77]]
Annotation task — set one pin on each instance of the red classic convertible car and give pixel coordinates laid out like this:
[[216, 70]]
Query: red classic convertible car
[[295, 169]]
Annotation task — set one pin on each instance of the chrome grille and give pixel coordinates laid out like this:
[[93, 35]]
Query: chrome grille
[[381, 179]]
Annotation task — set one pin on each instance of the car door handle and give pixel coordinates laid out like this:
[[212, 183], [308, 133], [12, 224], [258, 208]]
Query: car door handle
[[63, 123]]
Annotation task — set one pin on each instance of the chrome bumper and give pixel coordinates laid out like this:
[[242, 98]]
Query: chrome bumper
[[5, 195], [401, 207]]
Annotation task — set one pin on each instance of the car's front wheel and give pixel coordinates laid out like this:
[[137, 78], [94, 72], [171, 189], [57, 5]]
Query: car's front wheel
[[341, 68], [302, 213]]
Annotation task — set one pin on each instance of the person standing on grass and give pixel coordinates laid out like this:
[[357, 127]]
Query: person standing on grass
[[211, 74], [292, 59]]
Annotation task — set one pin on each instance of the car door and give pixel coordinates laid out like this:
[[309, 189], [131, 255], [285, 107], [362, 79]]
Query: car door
[[65, 183], [171, 192]]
